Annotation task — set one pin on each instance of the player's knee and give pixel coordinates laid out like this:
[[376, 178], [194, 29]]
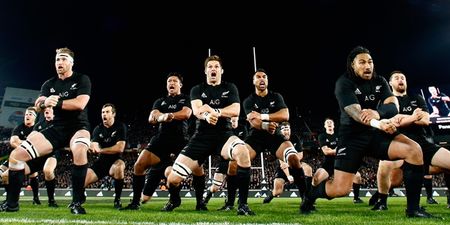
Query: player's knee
[[138, 168], [48, 172], [15, 163], [307, 169], [237, 150], [214, 188], [290, 155], [80, 142], [217, 183], [181, 170], [120, 166], [28, 147]]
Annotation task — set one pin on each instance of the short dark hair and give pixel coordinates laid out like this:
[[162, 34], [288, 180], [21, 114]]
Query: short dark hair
[[113, 107], [351, 56], [261, 70], [213, 58], [393, 72], [285, 123], [175, 74]]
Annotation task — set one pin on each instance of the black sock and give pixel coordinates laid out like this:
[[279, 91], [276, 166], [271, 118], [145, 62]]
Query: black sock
[[138, 185], [15, 183], [428, 184], [447, 184], [447, 180], [356, 188], [413, 179], [391, 191], [199, 187], [383, 198], [232, 185], [319, 191], [118, 187], [78, 178], [34, 184], [152, 181], [376, 195], [299, 179], [175, 194], [50, 185], [243, 176], [208, 195], [308, 184]]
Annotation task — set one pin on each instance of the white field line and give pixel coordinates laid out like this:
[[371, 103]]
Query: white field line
[[65, 221]]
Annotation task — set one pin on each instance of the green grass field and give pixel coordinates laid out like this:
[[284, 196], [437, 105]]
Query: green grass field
[[279, 211]]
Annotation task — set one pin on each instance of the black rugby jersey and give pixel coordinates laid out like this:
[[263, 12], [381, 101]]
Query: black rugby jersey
[[270, 103], [170, 104], [407, 106], [22, 131], [219, 96], [367, 93], [107, 137], [329, 140], [69, 88]]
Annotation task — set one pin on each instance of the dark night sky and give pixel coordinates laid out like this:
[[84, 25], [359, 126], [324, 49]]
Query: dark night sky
[[120, 45]]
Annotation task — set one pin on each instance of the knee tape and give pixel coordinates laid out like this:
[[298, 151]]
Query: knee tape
[[82, 140], [218, 183], [288, 152], [30, 149], [233, 145], [181, 170]]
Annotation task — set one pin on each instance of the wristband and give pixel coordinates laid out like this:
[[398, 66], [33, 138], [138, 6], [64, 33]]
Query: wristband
[[375, 123], [42, 105], [265, 125], [290, 178], [265, 117], [59, 104], [161, 118]]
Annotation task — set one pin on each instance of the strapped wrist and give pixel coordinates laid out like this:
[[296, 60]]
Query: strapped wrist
[[375, 123], [59, 104], [265, 117], [265, 125], [161, 118], [42, 105]]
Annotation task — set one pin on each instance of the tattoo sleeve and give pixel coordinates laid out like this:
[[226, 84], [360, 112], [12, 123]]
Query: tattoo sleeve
[[354, 111]]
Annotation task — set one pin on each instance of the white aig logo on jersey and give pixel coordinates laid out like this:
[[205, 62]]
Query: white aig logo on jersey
[[407, 109], [214, 102]]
